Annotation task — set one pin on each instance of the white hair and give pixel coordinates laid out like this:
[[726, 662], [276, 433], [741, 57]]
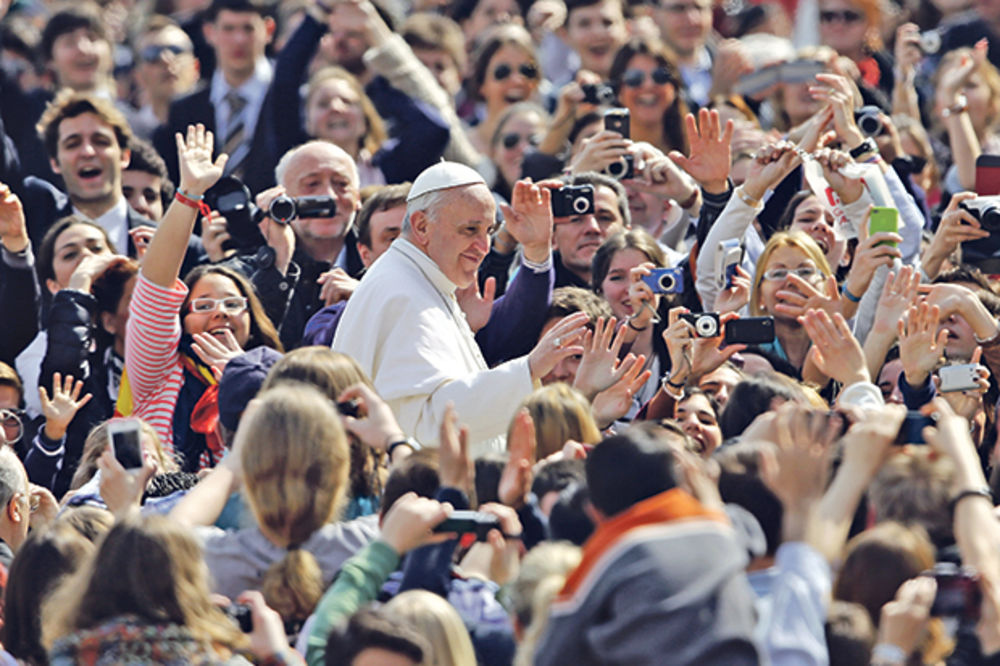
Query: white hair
[[286, 160], [428, 202]]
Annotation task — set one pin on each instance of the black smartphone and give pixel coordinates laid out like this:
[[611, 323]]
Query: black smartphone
[[988, 175], [958, 593], [125, 439], [465, 522], [350, 407], [242, 617], [618, 120], [911, 431], [749, 331]]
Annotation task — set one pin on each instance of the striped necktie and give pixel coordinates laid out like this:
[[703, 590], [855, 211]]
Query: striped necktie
[[235, 127]]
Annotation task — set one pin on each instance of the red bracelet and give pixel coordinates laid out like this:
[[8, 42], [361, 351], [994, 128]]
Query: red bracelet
[[198, 204]]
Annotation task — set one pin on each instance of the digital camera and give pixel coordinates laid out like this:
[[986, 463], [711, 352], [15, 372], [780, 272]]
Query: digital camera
[[984, 253], [665, 280], [284, 209], [600, 94], [572, 200], [868, 121], [706, 324]]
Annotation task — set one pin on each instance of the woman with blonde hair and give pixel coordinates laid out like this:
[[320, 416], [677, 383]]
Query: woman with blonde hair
[[439, 623], [560, 413], [292, 459]]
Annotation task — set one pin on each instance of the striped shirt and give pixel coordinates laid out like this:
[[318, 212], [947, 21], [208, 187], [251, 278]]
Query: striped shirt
[[155, 373]]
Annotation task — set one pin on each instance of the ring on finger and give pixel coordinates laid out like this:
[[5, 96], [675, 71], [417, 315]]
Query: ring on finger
[[558, 342]]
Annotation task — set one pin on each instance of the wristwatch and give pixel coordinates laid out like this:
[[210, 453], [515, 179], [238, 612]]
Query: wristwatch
[[867, 146], [960, 106]]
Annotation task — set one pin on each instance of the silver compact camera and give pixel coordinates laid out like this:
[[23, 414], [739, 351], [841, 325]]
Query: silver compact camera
[[706, 324]]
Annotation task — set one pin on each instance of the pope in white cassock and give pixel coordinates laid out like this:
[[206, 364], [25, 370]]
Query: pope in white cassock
[[404, 326]]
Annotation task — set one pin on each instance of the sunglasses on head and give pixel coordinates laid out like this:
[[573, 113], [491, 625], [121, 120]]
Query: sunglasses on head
[[845, 16], [504, 70], [152, 53], [634, 78], [513, 138]]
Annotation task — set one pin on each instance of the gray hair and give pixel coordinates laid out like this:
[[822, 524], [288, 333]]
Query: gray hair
[[286, 160], [428, 202], [13, 478]]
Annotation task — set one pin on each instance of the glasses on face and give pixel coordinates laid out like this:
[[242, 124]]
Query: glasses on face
[[634, 78], [231, 305], [504, 70], [12, 422], [844, 16], [804, 272], [152, 53], [511, 139]]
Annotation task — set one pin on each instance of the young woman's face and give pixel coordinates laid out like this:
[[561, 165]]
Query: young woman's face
[[511, 76], [842, 26], [218, 319], [333, 113], [696, 416], [519, 132], [982, 108], [615, 286], [645, 90], [72, 245], [811, 218], [788, 258]]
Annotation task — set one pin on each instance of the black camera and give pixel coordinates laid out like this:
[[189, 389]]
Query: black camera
[[284, 209], [470, 522], [958, 592], [242, 617], [232, 199], [868, 121], [706, 324], [984, 253], [600, 94], [350, 407], [572, 200], [622, 169]]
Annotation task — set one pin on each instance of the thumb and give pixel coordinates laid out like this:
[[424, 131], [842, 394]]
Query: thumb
[[489, 289]]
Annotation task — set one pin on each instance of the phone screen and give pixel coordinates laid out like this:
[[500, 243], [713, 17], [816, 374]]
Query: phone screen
[[128, 450], [988, 175]]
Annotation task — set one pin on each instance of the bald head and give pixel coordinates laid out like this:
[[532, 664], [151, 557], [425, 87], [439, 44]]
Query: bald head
[[319, 168], [311, 152]]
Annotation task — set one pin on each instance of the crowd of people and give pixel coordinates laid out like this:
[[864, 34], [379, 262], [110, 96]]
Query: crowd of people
[[389, 332]]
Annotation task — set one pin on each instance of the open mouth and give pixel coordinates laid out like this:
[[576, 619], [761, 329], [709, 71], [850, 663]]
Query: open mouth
[[599, 50], [220, 331], [651, 100], [514, 96], [89, 173]]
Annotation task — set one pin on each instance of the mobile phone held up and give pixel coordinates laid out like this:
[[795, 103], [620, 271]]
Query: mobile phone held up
[[884, 219], [728, 255], [125, 439], [469, 522], [988, 175], [749, 331], [911, 430]]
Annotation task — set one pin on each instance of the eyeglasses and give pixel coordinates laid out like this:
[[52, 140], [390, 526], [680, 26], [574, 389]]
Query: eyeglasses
[[844, 16], [12, 421], [152, 53], [503, 70], [513, 138], [231, 305], [634, 78], [805, 272]]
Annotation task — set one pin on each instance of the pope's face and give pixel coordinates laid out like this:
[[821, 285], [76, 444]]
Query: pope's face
[[457, 234]]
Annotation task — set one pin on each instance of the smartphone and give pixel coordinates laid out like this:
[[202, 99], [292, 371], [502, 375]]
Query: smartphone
[[749, 331], [470, 522], [125, 439], [242, 617], [350, 407], [728, 255], [759, 80], [911, 430], [958, 593], [884, 219], [618, 120], [963, 377], [665, 280], [801, 71], [988, 175]]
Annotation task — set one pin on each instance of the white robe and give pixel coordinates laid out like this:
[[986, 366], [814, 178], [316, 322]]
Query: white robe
[[404, 327]]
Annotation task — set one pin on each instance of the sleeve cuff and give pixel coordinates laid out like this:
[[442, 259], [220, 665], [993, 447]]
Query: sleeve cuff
[[538, 267], [49, 447], [22, 259]]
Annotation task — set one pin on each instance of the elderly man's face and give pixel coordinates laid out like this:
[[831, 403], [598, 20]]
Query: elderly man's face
[[324, 170], [457, 234]]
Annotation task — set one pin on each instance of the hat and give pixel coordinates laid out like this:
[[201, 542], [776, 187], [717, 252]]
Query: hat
[[443, 176], [242, 379]]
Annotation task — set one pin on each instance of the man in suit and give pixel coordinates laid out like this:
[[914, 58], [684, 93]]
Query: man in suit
[[233, 104]]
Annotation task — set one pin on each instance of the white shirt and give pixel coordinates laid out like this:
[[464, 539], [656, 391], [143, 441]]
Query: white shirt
[[115, 224], [404, 327]]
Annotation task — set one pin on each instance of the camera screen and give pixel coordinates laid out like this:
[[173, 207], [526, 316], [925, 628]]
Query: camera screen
[[127, 448]]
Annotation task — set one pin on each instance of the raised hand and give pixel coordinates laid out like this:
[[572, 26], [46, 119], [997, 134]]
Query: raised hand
[[214, 234], [454, 462], [957, 226], [89, 269], [967, 403], [872, 252], [904, 619], [835, 351], [63, 406], [679, 338], [907, 50], [641, 297], [848, 189], [614, 403], [600, 150], [561, 341], [711, 152], [921, 346], [216, 353], [141, 236], [529, 217], [808, 297], [497, 559], [13, 228], [281, 238], [661, 176], [409, 521], [798, 469], [953, 78], [194, 153], [122, 489], [708, 354], [838, 92], [734, 298], [600, 366], [898, 294], [337, 284], [869, 441], [517, 475], [771, 164], [376, 426], [477, 307]]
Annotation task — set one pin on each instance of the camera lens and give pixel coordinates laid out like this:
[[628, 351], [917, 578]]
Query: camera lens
[[990, 218], [930, 41], [617, 169], [282, 209], [870, 124], [580, 205], [705, 326], [667, 282]]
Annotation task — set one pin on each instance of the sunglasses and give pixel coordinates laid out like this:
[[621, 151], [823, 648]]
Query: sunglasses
[[634, 78], [512, 139], [232, 305], [504, 70], [844, 16], [152, 53]]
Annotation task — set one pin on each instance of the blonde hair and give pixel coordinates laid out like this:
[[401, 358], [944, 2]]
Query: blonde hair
[[987, 70], [295, 466], [560, 413], [795, 239], [97, 441], [914, 488], [375, 134], [438, 622], [150, 567], [542, 574]]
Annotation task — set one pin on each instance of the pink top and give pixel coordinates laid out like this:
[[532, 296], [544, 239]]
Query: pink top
[[155, 373]]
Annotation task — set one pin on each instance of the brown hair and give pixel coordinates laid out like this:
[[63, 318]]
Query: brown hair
[[97, 441], [632, 239], [499, 37], [560, 413], [384, 197], [9, 377], [70, 104], [262, 331], [295, 467], [432, 32], [914, 488]]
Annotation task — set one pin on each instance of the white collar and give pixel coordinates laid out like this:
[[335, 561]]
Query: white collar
[[426, 265], [116, 215], [254, 87]]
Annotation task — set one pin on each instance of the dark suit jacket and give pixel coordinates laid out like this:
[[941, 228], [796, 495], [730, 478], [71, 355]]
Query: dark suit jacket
[[196, 108]]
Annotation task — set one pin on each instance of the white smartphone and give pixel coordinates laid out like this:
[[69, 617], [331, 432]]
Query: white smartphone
[[125, 440], [958, 377], [728, 255]]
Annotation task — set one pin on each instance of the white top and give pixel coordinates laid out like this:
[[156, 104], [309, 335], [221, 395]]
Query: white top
[[406, 330]]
